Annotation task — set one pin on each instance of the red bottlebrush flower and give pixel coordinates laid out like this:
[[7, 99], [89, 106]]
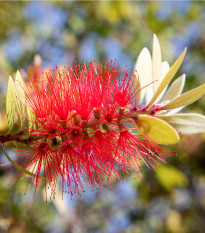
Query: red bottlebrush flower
[[80, 129], [39, 161]]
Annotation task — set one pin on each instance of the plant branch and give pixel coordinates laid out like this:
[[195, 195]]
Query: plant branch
[[19, 137]]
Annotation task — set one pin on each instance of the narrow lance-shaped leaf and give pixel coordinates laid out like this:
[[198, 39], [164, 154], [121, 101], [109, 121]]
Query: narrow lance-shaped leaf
[[20, 97], [175, 89], [21, 169], [10, 103], [174, 111], [187, 123], [156, 129], [186, 98], [143, 74], [156, 63], [167, 78], [31, 118], [164, 70]]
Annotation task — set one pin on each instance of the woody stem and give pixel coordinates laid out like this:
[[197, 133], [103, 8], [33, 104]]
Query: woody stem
[[17, 138]]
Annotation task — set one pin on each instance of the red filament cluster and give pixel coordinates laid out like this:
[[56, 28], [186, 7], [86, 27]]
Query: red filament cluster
[[82, 128]]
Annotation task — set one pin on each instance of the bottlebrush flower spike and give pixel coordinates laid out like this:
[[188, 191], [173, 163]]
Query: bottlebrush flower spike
[[88, 122]]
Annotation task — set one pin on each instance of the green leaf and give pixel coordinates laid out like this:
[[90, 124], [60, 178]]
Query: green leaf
[[167, 78], [156, 129], [175, 89], [186, 98], [169, 177], [20, 97], [31, 118], [21, 169], [186, 123], [10, 103]]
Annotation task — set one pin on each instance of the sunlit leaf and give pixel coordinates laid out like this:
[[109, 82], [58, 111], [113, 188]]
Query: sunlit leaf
[[167, 78], [143, 73], [175, 110], [169, 177], [20, 97], [157, 129], [186, 98], [164, 70], [3, 122], [10, 103], [175, 89], [189, 123], [21, 169], [31, 118], [156, 63]]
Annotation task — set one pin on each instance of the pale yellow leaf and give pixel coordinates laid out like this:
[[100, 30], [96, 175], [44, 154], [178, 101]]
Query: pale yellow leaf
[[31, 118], [175, 110], [20, 97], [186, 98], [167, 78], [156, 63], [187, 123], [164, 69], [143, 73], [175, 89], [157, 129], [10, 103]]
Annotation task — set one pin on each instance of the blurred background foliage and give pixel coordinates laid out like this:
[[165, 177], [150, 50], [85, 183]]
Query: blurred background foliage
[[171, 200]]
